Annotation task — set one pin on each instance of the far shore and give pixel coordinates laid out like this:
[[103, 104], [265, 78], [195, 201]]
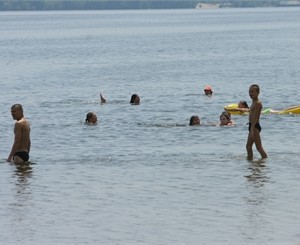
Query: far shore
[[65, 5], [207, 6]]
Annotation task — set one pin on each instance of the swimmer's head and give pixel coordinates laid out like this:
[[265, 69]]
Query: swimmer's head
[[225, 118], [243, 104], [194, 120], [135, 99], [91, 118], [208, 90]]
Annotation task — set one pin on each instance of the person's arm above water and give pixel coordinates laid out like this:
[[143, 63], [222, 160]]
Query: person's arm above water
[[17, 141], [237, 109], [103, 100]]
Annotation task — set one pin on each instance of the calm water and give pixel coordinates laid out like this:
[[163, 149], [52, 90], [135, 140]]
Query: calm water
[[142, 175]]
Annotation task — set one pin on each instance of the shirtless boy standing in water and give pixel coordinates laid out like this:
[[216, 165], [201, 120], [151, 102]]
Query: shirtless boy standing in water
[[254, 126], [20, 150]]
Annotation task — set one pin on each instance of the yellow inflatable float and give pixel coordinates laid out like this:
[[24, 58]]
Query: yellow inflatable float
[[290, 110], [234, 110]]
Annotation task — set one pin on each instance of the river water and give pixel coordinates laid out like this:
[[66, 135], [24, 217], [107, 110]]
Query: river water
[[142, 175]]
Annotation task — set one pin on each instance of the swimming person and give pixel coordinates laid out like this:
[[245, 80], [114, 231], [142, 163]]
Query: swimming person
[[91, 118], [241, 107], [20, 150], [194, 120], [254, 126], [135, 99], [243, 104], [225, 119], [208, 90]]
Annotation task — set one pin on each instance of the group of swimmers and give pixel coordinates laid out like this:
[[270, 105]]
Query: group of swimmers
[[225, 117], [254, 111], [225, 120], [254, 127], [91, 117], [20, 150], [19, 153]]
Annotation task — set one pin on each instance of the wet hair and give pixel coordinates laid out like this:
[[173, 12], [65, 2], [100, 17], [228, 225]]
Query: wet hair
[[18, 107], [133, 97], [89, 116], [244, 103], [226, 114], [256, 87], [192, 119]]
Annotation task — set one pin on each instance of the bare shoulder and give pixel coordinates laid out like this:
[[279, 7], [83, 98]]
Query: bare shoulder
[[258, 105], [22, 123]]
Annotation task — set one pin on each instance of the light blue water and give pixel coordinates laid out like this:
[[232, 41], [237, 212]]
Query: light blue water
[[142, 175]]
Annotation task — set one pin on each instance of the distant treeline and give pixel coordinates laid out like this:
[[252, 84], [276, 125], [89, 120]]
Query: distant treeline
[[10, 5], [93, 4]]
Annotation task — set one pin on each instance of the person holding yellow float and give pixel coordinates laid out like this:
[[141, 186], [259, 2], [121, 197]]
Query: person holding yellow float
[[242, 108]]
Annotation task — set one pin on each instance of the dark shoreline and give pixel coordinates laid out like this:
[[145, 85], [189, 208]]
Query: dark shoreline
[[46, 5]]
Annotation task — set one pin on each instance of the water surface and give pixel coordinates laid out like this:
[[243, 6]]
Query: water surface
[[142, 175]]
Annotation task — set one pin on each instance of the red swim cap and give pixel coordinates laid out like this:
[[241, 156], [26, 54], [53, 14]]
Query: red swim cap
[[208, 88]]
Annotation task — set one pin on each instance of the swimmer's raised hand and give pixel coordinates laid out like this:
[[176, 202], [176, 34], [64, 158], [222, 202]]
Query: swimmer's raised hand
[[103, 100]]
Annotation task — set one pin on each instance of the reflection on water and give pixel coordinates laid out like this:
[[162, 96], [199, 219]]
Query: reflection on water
[[20, 204], [22, 190], [23, 174], [257, 177], [256, 198]]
